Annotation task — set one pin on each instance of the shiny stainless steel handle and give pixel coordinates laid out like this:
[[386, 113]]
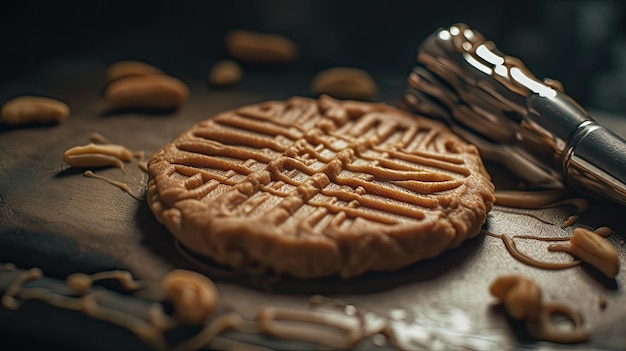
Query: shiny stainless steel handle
[[494, 101], [595, 161]]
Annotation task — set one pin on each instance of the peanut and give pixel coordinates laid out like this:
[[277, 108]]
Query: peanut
[[254, 47], [344, 83], [520, 295], [593, 249], [129, 68], [154, 92], [225, 73], [193, 295], [34, 110], [92, 155]]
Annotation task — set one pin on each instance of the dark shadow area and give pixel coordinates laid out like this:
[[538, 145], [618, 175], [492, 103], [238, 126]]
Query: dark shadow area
[[143, 111], [606, 282], [576, 42], [371, 282], [157, 238], [56, 256], [11, 127], [73, 171], [517, 327]]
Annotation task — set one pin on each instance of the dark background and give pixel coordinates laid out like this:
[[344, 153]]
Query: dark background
[[580, 43]]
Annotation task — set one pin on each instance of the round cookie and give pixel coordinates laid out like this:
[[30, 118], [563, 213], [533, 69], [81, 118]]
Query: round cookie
[[313, 188]]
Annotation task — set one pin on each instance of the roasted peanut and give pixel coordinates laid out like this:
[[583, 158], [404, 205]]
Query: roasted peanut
[[520, 295], [34, 110], [123, 69], [225, 72], [593, 249], [254, 47], [193, 295], [344, 83], [154, 92], [92, 155]]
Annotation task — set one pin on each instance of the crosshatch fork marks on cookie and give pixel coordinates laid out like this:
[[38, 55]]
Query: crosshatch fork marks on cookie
[[356, 157], [320, 169]]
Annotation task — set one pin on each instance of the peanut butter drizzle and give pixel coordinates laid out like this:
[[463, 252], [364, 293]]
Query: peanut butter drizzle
[[8, 299], [540, 200], [512, 248], [528, 199], [141, 160], [513, 211], [318, 328], [569, 221], [323, 328], [269, 318], [82, 282], [118, 184], [540, 238], [151, 331]]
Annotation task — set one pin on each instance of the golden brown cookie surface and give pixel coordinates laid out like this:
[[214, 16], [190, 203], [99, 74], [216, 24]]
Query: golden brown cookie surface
[[313, 188]]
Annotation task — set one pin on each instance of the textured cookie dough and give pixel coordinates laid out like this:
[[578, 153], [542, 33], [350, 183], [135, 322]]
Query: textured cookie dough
[[314, 188]]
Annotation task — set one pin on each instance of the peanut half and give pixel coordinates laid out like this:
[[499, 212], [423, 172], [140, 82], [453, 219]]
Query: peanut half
[[254, 47], [153, 92], [520, 295], [225, 73], [193, 295], [344, 83], [34, 110], [101, 155], [593, 249], [129, 68]]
